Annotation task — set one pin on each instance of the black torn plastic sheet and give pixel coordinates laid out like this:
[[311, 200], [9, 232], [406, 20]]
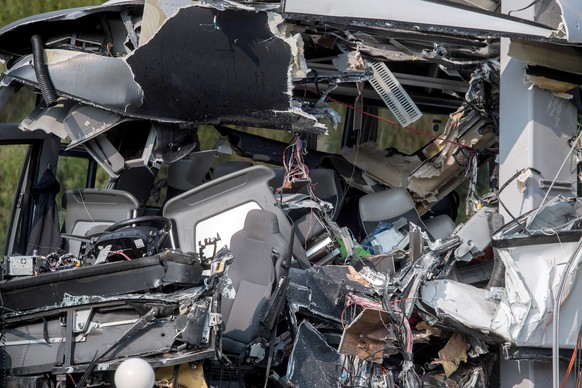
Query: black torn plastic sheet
[[322, 290], [313, 363], [205, 65]]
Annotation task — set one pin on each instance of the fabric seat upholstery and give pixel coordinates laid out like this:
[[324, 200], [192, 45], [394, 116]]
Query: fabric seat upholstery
[[254, 273]]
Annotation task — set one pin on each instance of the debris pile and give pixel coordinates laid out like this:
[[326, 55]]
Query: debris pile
[[344, 269]]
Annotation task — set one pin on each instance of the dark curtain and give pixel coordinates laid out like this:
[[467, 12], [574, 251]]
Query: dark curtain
[[45, 236]]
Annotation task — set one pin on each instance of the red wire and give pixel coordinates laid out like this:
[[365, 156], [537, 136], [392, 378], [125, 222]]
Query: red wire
[[352, 107], [571, 364], [121, 253], [398, 124]]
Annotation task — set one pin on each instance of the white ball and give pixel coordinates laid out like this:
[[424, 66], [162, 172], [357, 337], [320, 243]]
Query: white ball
[[134, 373]]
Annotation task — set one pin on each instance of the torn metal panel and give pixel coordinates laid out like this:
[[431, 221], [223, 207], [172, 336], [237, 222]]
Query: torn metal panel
[[559, 57], [242, 50], [313, 362], [86, 122], [447, 298], [369, 336], [418, 15], [534, 268], [572, 18], [75, 74], [256, 59], [521, 311], [248, 59], [48, 119]]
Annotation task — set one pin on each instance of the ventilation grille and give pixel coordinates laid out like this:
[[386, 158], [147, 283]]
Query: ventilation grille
[[393, 94]]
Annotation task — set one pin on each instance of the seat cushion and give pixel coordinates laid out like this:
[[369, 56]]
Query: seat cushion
[[243, 324]]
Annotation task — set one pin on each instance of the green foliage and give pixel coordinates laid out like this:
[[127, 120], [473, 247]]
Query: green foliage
[[11, 163], [13, 10], [20, 104]]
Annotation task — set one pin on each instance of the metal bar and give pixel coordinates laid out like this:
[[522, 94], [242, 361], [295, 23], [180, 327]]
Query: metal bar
[[418, 14], [413, 80]]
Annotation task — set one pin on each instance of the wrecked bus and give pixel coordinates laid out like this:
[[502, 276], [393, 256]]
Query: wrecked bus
[[218, 193]]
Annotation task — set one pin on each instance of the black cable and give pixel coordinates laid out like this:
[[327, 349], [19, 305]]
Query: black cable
[[3, 355], [504, 185], [176, 376], [41, 71]]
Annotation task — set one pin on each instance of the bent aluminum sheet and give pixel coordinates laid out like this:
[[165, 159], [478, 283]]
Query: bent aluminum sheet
[[419, 15], [522, 311]]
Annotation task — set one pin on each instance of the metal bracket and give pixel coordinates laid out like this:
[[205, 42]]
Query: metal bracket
[[215, 319], [81, 320]]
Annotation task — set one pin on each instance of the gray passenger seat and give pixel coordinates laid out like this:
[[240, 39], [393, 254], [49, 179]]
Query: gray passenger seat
[[440, 227], [90, 208], [248, 186], [261, 257], [387, 206], [230, 166], [187, 173]]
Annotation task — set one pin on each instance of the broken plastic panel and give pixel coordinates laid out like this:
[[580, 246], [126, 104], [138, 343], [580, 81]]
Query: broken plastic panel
[[420, 15], [313, 362], [393, 94], [475, 234]]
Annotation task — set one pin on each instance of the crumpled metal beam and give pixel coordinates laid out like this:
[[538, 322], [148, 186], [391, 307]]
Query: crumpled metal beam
[[428, 16]]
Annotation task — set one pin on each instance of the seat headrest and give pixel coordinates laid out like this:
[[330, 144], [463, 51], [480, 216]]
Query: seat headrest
[[385, 205], [229, 167], [260, 224]]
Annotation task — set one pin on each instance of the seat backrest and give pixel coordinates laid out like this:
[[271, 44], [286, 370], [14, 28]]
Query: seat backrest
[[88, 208], [327, 186], [259, 250], [220, 206], [230, 166], [440, 227], [387, 206], [185, 174]]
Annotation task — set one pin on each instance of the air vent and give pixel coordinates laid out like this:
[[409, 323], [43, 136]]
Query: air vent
[[393, 94]]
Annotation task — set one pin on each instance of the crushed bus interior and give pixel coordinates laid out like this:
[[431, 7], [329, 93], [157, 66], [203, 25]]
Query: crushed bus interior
[[217, 193]]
